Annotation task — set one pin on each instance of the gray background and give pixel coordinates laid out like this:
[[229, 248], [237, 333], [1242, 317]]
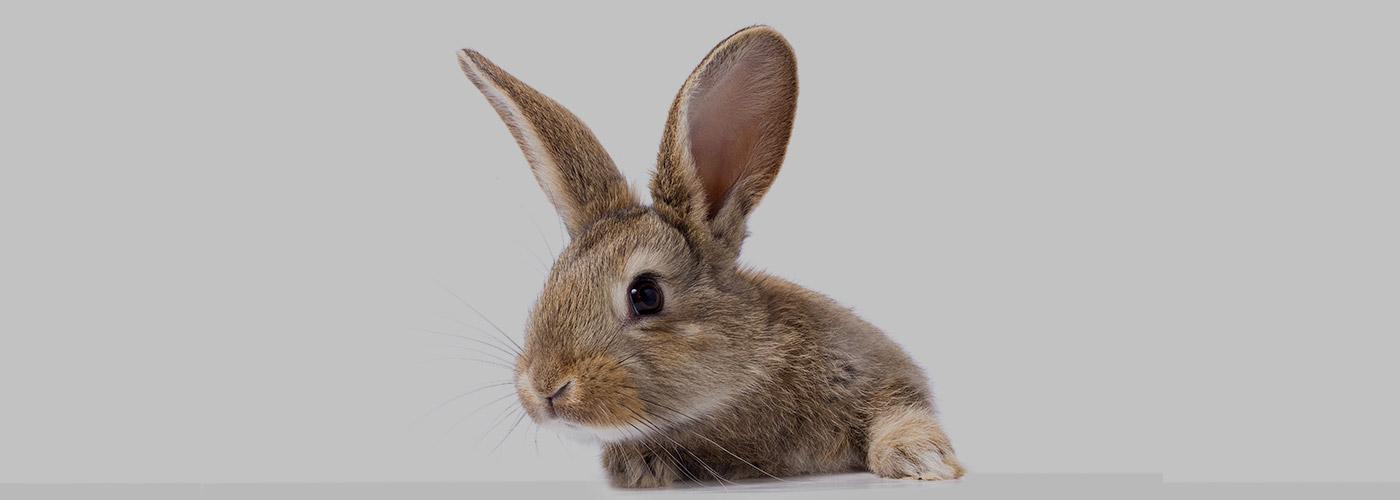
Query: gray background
[[1122, 239]]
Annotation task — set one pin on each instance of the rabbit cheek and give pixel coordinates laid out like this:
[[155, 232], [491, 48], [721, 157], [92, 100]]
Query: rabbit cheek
[[603, 395]]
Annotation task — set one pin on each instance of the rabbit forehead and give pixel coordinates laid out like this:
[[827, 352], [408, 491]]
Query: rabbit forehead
[[621, 248], [578, 299]]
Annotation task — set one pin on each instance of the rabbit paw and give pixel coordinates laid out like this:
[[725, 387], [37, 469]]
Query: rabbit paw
[[930, 465], [909, 444], [630, 467]]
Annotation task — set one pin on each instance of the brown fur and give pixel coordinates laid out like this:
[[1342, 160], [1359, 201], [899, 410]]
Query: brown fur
[[588, 183], [742, 374]]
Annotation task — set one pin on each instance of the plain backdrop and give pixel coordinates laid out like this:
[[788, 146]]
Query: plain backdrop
[[1120, 238]]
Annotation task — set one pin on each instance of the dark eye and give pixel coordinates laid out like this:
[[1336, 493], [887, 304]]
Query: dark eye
[[645, 295]]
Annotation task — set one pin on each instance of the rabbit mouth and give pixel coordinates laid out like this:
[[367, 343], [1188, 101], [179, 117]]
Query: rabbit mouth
[[579, 427], [590, 434]]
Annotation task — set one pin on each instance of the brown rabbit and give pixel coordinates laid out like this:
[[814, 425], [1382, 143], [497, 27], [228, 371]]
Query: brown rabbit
[[650, 337]]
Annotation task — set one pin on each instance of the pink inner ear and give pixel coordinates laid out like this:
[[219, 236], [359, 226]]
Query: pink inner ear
[[726, 117]]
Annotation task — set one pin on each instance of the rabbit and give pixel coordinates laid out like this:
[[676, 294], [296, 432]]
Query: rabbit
[[649, 335]]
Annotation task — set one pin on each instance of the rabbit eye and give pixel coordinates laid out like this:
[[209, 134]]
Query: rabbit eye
[[645, 295]]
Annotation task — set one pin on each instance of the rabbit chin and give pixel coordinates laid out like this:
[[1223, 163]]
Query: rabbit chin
[[590, 434]]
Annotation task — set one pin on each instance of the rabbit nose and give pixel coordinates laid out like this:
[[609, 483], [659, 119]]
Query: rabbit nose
[[549, 400]]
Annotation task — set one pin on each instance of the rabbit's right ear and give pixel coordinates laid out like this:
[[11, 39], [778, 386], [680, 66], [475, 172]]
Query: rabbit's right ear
[[726, 137], [575, 172]]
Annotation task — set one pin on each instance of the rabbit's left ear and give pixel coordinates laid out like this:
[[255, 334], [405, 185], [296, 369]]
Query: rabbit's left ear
[[726, 135], [575, 172]]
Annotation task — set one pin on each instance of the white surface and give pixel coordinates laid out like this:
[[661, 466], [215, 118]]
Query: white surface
[[1122, 238], [835, 486], [845, 486]]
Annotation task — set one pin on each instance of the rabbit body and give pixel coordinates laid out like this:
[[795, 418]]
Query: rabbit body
[[651, 337]]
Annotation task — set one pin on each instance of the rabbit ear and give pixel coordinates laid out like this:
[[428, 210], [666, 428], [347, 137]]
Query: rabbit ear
[[575, 172], [726, 135]]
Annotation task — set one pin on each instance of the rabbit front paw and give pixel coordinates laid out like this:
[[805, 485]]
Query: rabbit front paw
[[908, 443], [632, 467]]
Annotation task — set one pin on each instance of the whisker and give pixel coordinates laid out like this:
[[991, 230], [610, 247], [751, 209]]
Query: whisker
[[561, 443], [662, 433], [501, 417], [688, 419], [736, 457], [540, 231], [509, 432], [647, 442], [473, 339], [676, 460], [482, 316], [492, 355], [460, 396], [494, 341], [629, 357], [659, 405], [641, 457], [490, 335], [478, 410], [612, 339], [641, 438], [539, 262], [487, 361], [537, 439]]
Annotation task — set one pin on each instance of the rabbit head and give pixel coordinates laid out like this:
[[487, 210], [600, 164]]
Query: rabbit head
[[645, 309]]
